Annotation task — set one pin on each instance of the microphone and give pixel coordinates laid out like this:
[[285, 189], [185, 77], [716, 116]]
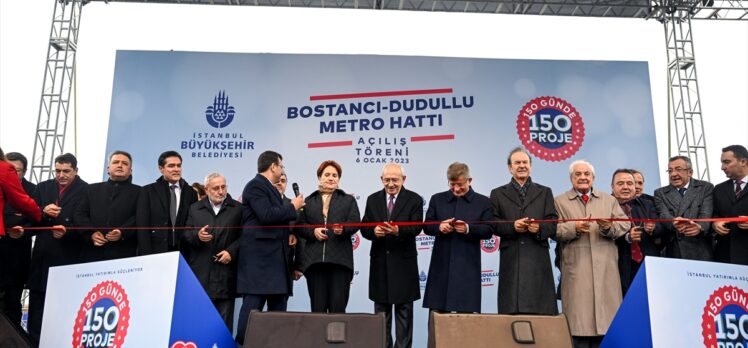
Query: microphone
[[295, 188]]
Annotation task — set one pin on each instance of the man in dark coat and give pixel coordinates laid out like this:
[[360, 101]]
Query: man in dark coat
[[525, 275], [638, 242], [164, 204], [264, 275], [214, 248], [110, 206], [58, 199], [15, 249], [454, 280], [684, 199], [393, 269], [730, 201]]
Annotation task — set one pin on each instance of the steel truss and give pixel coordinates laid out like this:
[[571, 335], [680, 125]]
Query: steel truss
[[676, 15]]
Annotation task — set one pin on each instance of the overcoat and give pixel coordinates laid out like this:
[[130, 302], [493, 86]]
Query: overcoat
[[263, 252], [454, 276], [696, 203], [153, 211], [393, 269], [103, 207], [525, 273], [590, 283], [218, 280], [732, 248], [50, 251]]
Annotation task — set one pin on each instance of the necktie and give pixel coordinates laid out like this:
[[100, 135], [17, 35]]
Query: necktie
[[682, 191], [173, 204], [636, 250], [585, 198], [390, 205], [738, 189]]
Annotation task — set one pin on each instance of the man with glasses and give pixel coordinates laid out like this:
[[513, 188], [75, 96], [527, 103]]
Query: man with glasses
[[264, 274], [58, 199], [393, 270], [684, 199], [454, 280]]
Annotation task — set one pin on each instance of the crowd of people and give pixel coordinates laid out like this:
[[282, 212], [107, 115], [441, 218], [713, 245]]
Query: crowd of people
[[255, 247]]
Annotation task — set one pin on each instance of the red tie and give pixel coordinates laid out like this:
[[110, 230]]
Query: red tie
[[738, 190], [585, 198], [636, 252]]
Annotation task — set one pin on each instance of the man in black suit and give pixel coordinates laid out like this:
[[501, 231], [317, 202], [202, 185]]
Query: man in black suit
[[638, 242], [107, 209], [164, 204], [15, 248], [684, 199], [393, 270], [264, 276], [58, 199], [730, 201]]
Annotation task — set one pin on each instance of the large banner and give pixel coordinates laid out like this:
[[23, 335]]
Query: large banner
[[221, 110], [146, 301], [683, 303]]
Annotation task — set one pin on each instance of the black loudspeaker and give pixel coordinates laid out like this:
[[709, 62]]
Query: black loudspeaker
[[299, 330], [10, 336], [494, 330]]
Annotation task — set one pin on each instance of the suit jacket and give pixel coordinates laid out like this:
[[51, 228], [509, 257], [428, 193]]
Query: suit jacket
[[15, 254], [393, 269], [590, 283], [50, 251], [454, 280], [526, 284], [336, 249], [263, 252], [153, 211], [109, 205], [732, 248], [696, 203], [218, 280], [627, 267], [11, 192]]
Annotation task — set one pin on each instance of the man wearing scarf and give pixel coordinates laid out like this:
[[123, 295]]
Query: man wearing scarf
[[638, 242]]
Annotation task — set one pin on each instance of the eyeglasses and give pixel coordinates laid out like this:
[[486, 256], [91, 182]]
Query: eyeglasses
[[677, 170], [391, 180]]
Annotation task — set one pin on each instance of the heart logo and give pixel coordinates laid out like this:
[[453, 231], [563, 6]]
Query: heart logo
[[180, 344]]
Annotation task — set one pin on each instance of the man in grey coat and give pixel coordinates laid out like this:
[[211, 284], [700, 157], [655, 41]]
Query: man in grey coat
[[684, 199]]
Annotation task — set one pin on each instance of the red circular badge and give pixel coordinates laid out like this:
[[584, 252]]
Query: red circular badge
[[550, 128], [490, 245], [725, 319], [355, 240], [103, 318]]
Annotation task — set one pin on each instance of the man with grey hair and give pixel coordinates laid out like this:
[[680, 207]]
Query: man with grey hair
[[526, 285], [454, 280], [590, 286], [684, 199], [214, 244], [393, 270]]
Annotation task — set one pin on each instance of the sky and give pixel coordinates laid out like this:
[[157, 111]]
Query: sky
[[721, 50]]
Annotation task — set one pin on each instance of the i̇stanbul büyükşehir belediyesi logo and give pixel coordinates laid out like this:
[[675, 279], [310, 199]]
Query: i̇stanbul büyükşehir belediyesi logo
[[550, 128], [221, 113]]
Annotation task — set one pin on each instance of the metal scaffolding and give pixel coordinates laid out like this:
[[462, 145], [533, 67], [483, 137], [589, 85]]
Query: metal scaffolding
[[676, 15], [54, 106]]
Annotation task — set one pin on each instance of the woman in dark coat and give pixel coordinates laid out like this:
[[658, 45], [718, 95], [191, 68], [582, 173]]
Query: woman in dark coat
[[327, 256], [525, 275]]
